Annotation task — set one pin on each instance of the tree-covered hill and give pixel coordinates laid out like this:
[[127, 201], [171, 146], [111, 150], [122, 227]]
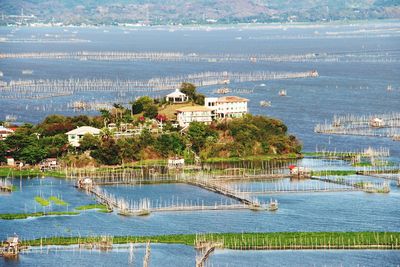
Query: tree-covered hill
[[200, 11]]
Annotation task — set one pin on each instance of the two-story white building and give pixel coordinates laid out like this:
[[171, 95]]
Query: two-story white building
[[186, 115], [75, 135], [227, 106]]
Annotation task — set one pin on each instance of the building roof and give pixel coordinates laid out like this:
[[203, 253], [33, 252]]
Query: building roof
[[230, 99], [5, 130], [176, 93], [193, 109], [84, 130]]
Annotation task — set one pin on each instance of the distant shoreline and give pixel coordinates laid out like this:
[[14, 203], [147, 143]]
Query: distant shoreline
[[216, 26]]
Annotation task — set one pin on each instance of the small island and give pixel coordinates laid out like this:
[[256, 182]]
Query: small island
[[183, 125]]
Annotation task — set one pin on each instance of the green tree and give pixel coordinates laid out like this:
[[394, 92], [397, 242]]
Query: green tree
[[150, 111], [129, 149], [170, 144], [199, 99], [89, 142], [19, 140], [3, 151], [106, 117], [107, 153], [198, 133], [55, 146], [146, 138], [141, 103], [189, 89], [32, 154]]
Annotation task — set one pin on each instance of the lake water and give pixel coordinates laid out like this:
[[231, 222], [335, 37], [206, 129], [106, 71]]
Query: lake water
[[343, 87]]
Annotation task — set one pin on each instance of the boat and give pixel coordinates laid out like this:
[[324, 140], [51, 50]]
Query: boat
[[11, 118], [396, 137], [264, 103], [1, 74], [27, 72], [141, 212], [389, 88], [282, 92], [223, 90], [273, 205]]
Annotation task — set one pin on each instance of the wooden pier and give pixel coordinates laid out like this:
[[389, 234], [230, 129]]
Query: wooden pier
[[226, 191], [144, 207], [310, 190]]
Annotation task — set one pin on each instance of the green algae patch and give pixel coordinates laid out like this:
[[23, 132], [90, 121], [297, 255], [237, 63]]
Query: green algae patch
[[58, 201], [42, 201], [20, 216]]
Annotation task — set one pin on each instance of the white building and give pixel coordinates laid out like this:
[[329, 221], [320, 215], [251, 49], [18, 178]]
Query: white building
[[227, 106], [177, 97], [4, 132], [186, 115], [75, 135]]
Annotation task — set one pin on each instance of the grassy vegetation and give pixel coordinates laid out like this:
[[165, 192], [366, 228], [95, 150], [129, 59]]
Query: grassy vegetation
[[281, 240], [342, 155], [57, 201], [99, 207], [19, 216], [334, 172], [42, 201], [7, 171], [369, 164], [254, 158], [169, 110]]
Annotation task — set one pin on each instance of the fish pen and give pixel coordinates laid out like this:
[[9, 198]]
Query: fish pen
[[379, 125], [44, 88], [365, 56]]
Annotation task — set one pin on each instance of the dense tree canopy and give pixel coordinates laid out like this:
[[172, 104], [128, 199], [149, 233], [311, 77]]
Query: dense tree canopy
[[240, 137]]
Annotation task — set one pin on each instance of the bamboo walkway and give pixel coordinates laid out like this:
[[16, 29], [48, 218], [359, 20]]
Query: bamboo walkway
[[309, 190], [226, 191], [361, 185]]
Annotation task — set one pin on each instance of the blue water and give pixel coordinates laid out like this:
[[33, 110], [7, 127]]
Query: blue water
[[161, 255], [332, 258], [168, 194], [343, 211], [351, 87], [309, 101]]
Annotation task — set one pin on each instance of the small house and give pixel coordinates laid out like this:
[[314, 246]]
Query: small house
[[75, 135], [186, 115], [10, 161], [84, 183], [176, 163], [11, 247], [5, 132], [376, 123], [49, 164], [296, 171], [227, 106], [177, 97]]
